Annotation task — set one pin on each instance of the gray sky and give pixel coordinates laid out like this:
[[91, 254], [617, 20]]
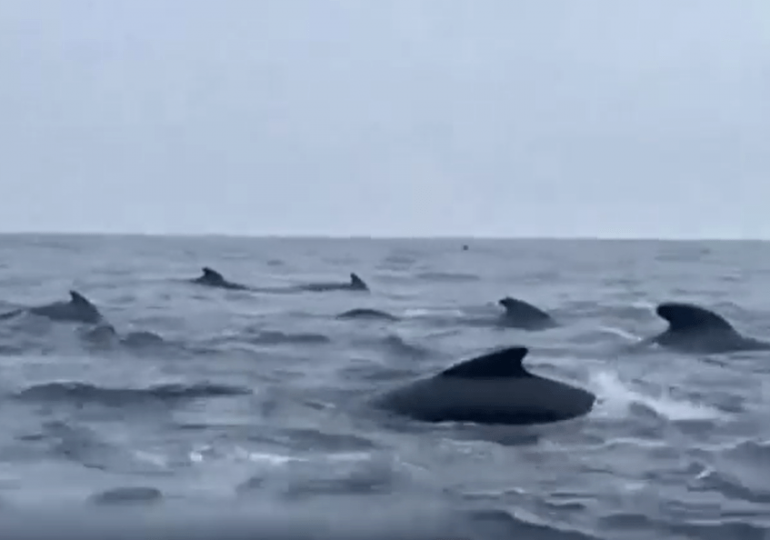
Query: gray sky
[[399, 117]]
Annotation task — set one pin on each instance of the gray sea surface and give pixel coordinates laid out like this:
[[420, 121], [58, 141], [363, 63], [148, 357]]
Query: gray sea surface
[[256, 410]]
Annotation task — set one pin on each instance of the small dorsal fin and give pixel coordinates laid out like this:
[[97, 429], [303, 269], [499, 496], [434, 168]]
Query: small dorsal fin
[[77, 298], [356, 281], [516, 306], [500, 364], [210, 273]]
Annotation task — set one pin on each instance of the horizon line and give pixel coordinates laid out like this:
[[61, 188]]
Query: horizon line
[[307, 236]]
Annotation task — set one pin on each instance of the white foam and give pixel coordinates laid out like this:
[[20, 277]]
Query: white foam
[[619, 396]]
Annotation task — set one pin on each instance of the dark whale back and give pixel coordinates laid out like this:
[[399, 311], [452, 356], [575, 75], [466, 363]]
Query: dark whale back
[[493, 388], [355, 284], [683, 317], [694, 329], [77, 309], [366, 313], [212, 278]]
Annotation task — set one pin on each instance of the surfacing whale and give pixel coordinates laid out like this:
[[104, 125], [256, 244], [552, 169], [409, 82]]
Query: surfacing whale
[[212, 278], [355, 284], [521, 314], [366, 313], [494, 388], [694, 329], [77, 309], [105, 336]]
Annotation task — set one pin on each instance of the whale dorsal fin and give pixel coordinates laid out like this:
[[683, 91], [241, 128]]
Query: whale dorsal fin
[[500, 364], [515, 306], [357, 282], [684, 317], [77, 298], [210, 273]]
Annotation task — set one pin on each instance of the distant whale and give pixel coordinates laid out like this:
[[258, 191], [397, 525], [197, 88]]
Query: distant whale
[[365, 313], [521, 314], [355, 284], [494, 388], [77, 309], [105, 335], [212, 278], [694, 329]]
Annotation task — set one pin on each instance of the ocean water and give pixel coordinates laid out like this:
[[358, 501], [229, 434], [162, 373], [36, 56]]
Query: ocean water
[[257, 402]]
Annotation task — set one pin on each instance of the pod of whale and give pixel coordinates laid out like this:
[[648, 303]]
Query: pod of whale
[[77, 309], [694, 329], [523, 315], [494, 388]]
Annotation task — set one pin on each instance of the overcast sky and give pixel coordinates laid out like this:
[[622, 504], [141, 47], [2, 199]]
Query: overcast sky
[[397, 117]]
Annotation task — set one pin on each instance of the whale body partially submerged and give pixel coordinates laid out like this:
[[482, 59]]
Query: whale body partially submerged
[[695, 329], [494, 388], [78, 309], [212, 278], [105, 335], [367, 314], [355, 284]]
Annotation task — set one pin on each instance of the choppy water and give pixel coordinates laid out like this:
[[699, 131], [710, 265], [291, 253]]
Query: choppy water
[[259, 399]]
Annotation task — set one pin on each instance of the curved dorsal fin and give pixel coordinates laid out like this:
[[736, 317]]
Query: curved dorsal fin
[[77, 298], [210, 273], [500, 364], [682, 316]]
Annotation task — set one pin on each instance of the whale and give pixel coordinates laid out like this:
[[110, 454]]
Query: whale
[[494, 388], [105, 335], [212, 278], [697, 330], [366, 313], [355, 284], [77, 309], [523, 315]]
